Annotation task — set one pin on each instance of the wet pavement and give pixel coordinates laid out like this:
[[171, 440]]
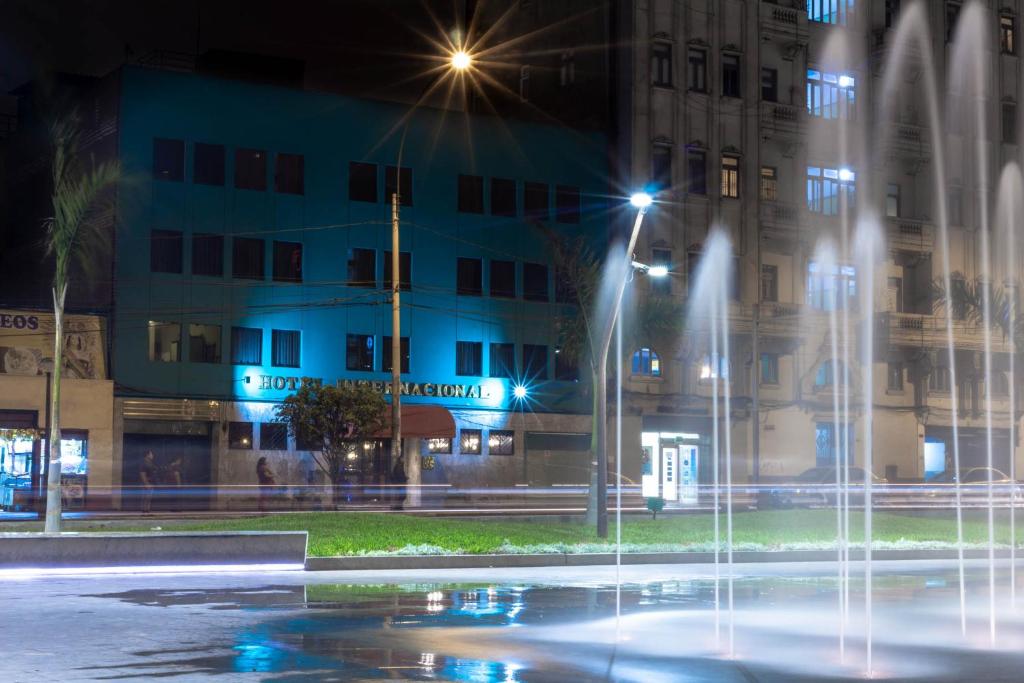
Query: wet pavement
[[504, 625]]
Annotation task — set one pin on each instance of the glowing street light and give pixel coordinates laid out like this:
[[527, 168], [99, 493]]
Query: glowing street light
[[461, 60], [519, 392], [657, 271], [641, 200]]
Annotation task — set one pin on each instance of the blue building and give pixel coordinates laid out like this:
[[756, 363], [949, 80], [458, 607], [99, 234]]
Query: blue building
[[254, 250]]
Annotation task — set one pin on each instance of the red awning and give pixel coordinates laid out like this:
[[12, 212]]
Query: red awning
[[421, 422]]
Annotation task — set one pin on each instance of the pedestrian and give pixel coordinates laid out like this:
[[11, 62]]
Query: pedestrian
[[147, 477], [174, 479], [398, 481], [265, 475]]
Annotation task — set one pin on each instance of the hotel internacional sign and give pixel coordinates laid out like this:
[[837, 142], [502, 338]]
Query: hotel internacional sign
[[428, 389]]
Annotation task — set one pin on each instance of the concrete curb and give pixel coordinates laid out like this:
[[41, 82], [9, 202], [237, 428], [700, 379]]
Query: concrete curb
[[370, 562]]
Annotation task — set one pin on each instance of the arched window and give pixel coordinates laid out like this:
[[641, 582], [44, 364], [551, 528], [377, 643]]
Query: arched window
[[646, 362], [1000, 383], [712, 367], [829, 373]]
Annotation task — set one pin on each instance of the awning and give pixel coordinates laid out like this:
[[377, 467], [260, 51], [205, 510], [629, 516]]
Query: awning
[[421, 422]]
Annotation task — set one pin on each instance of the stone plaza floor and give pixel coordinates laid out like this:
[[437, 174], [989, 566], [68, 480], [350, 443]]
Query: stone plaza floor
[[506, 625]]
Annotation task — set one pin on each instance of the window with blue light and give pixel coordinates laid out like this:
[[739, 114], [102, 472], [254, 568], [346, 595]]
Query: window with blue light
[[830, 11], [831, 288], [829, 189], [714, 366], [831, 95], [646, 362]]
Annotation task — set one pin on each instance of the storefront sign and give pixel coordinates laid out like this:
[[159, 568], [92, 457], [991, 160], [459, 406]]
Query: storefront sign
[[26, 344], [429, 389]]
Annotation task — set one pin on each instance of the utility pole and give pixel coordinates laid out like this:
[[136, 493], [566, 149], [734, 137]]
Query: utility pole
[[396, 334], [755, 410]]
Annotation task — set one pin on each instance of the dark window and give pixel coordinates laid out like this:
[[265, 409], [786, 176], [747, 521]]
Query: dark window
[[240, 435], [661, 166], [696, 166], [385, 354], [287, 261], [164, 341], [208, 168], [246, 346], [247, 258], [1007, 35], [535, 282], [892, 200], [469, 358], [662, 285], [290, 176], [203, 343], [769, 184], [1010, 123], [470, 277], [359, 352], [895, 377], [165, 251], [250, 169], [661, 64], [362, 268], [535, 361], [362, 182], [404, 271], [567, 204], [697, 70], [503, 360], [285, 348], [503, 279], [535, 201], [168, 159], [731, 75], [471, 194], [403, 188], [769, 85], [565, 370], [503, 197], [769, 282], [469, 441], [769, 368], [273, 436], [952, 15], [501, 442], [208, 255], [892, 11]]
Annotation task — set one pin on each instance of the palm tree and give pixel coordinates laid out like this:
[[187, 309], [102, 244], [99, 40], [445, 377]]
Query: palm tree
[[74, 232]]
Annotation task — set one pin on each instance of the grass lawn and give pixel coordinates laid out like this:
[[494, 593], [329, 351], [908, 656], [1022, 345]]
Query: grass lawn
[[354, 533]]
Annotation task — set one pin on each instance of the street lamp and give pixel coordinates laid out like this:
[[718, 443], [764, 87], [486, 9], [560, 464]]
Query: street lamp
[[650, 271], [641, 200], [461, 60], [519, 392]]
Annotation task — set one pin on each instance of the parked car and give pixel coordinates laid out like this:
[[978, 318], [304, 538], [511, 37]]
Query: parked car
[[814, 487], [973, 486]]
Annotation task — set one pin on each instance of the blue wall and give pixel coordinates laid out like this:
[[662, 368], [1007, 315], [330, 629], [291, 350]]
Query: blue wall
[[330, 131]]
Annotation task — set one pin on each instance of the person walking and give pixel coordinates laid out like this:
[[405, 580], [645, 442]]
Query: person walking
[[265, 476], [147, 477]]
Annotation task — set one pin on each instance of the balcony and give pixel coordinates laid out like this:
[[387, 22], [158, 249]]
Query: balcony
[[910, 140], [910, 235], [785, 20], [783, 320], [781, 118], [913, 329]]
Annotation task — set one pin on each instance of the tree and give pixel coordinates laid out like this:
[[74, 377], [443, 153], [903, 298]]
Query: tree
[[330, 418], [80, 223]]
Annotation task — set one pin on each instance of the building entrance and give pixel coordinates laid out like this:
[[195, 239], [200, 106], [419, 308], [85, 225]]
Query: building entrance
[[671, 467]]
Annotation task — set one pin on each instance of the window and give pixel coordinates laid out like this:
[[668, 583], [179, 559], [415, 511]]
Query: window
[[830, 189], [567, 204], [470, 277], [471, 194], [289, 177], [535, 361], [524, 83], [439, 445], [769, 282], [285, 345], [830, 95], [164, 342], [892, 200], [566, 369], [203, 343], [662, 285], [832, 288], [567, 73], [892, 11], [287, 261], [535, 282], [250, 169], [661, 64], [952, 15], [503, 197], [503, 279], [769, 84], [1010, 123], [895, 287], [469, 358], [247, 258], [469, 441], [730, 177], [246, 346], [830, 373], [208, 164], [697, 70], [273, 436], [830, 11], [939, 379], [359, 352], [696, 167], [165, 251], [207, 255], [503, 360], [1007, 37], [646, 362], [661, 167], [168, 159], [714, 367], [385, 354], [731, 75], [240, 435], [955, 197], [769, 368], [74, 451], [404, 271], [769, 184], [362, 182], [825, 442], [1000, 384], [535, 201], [895, 375], [362, 268], [501, 442], [403, 188]]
